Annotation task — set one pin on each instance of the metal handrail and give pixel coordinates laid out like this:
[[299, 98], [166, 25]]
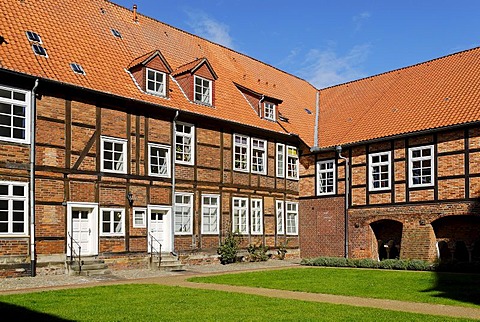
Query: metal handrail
[[72, 252], [159, 252]]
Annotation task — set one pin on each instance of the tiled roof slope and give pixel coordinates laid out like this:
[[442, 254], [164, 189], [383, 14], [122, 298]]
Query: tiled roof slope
[[430, 95], [79, 31], [438, 93]]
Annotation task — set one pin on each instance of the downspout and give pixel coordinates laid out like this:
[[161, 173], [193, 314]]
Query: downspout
[[172, 221], [317, 116], [32, 181], [347, 180]]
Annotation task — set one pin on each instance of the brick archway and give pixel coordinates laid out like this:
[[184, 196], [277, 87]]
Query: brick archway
[[387, 238], [457, 237]]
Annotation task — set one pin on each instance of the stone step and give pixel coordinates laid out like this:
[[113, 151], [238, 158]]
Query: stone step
[[90, 266]]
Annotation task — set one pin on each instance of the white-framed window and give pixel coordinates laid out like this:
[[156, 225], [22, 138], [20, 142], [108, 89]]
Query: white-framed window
[[139, 217], [112, 222], [113, 155], [241, 151], [421, 166], [280, 160], [256, 216], [280, 214], [13, 208], [210, 214], [156, 82], [269, 111], [183, 213], [292, 218], [14, 115], [380, 165], [184, 143], [292, 162], [203, 90], [259, 156], [240, 215], [159, 160], [326, 177]]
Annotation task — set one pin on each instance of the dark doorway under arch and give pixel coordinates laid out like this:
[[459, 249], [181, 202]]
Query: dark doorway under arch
[[388, 237], [458, 238]]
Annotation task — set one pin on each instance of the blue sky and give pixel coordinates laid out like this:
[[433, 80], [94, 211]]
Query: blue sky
[[327, 42]]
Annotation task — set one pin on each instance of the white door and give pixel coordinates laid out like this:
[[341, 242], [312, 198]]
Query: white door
[[159, 229], [82, 228]]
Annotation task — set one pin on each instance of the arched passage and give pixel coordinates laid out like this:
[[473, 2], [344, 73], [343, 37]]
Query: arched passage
[[457, 238], [388, 238]]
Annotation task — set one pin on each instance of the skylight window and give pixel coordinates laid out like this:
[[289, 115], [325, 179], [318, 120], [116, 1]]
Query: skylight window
[[39, 50], [308, 111], [116, 33], [78, 69], [34, 37]]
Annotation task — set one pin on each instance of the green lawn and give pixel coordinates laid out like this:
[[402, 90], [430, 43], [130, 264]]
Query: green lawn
[[427, 287], [163, 303]]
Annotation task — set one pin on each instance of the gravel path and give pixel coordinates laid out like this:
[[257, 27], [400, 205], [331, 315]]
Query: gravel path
[[41, 283]]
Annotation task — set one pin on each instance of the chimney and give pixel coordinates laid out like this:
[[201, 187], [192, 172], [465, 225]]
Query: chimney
[[135, 19]]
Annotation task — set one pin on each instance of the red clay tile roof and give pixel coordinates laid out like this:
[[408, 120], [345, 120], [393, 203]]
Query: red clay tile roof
[[435, 94], [79, 31], [438, 93]]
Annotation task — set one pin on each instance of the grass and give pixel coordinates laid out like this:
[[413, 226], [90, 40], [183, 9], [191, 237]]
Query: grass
[[426, 287], [164, 303]]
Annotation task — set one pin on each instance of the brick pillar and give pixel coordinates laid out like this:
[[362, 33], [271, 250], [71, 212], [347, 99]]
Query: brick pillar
[[418, 242]]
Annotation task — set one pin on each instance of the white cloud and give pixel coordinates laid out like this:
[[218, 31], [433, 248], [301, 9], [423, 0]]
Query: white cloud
[[359, 19], [207, 27], [324, 68]]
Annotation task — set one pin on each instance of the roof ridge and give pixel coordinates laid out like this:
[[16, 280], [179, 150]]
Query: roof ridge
[[214, 43], [401, 68]]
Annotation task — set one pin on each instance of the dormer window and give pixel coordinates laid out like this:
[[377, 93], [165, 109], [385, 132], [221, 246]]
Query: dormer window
[[155, 82], [203, 90], [269, 111], [150, 73]]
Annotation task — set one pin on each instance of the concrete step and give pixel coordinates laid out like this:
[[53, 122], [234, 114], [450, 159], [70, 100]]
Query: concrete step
[[168, 263], [90, 266]]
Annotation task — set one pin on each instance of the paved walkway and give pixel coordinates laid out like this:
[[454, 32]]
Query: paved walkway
[[42, 283]]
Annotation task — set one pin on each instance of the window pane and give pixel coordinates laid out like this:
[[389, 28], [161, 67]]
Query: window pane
[[5, 93], [5, 108], [18, 96], [3, 216], [3, 227], [18, 227], [18, 190], [4, 190]]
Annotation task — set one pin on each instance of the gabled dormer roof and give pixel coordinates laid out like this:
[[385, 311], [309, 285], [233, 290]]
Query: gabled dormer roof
[[258, 95], [147, 58], [193, 66]]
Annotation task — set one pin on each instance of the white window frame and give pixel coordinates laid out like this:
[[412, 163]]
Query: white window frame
[[123, 142], [15, 102], [167, 159], [412, 159], [184, 136], [245, 146], [185, 219], [292, 160], [237, 212], [203, 87], [259, 155], [322, 176], [269, 111], [280, 216], [372, 165], [289, 214], [112, 222], [10, 198], [256, 216], [280, 160], [163, 84], [138, 210], [207, 214]]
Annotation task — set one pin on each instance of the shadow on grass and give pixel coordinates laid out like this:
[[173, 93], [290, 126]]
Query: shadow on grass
[[10, 312], [457, 286]]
